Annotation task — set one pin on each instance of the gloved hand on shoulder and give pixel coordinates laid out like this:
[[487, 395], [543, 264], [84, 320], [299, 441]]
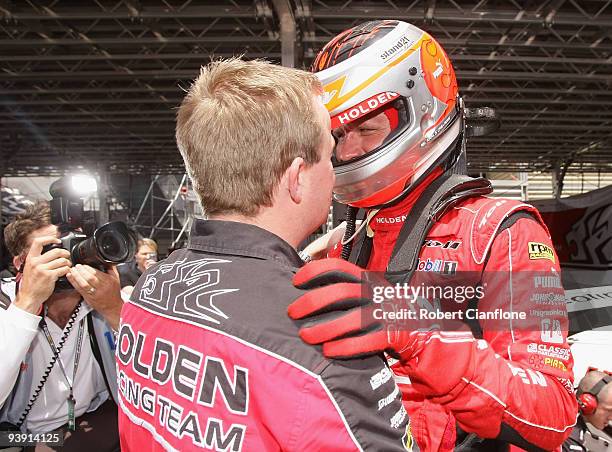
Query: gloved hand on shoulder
[[343, 317]]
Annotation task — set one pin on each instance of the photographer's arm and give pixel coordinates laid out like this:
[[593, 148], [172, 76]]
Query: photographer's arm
[[17, 330], [102, 291], [19, 323]]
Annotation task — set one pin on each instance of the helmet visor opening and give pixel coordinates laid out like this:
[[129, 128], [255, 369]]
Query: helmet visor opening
[[370, 133]]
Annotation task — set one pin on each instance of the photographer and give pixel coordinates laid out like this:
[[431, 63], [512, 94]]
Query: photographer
[[145, 256], [58, 346]]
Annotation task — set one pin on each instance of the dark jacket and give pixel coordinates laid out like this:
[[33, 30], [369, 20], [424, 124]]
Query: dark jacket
[[128, 273], [207, 335], [583, 439]]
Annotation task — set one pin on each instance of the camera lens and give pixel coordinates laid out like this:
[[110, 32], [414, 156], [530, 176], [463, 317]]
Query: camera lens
[[111, 243], [112, 247]]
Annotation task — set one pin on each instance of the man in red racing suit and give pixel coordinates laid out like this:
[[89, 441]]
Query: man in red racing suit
[[508, 380]]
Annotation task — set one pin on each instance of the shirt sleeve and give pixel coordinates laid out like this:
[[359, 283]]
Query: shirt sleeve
[[17, 330], [355, 405], [573, 443]]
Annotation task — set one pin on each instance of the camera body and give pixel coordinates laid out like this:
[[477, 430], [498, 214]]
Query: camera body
[[110, 244], [69, 242]]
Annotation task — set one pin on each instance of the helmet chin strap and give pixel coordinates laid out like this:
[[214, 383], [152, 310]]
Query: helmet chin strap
[[349, 233], [460, 167], [457, 164]]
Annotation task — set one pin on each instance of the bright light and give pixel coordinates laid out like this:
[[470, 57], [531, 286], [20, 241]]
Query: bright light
[[83, 184]]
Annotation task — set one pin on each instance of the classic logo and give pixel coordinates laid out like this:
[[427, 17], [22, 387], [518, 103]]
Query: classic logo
[[549, 350], [539, 250]]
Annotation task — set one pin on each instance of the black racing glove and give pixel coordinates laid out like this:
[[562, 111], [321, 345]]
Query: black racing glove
[[339, 305]]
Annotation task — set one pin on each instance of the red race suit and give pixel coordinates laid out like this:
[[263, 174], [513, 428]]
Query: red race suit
[[509, 381]]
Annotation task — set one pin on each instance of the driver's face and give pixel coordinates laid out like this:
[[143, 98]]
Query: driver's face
[[360, 137]]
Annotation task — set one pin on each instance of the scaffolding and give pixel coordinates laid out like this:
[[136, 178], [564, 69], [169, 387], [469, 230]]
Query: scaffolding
[[168, 215], [167, 210]]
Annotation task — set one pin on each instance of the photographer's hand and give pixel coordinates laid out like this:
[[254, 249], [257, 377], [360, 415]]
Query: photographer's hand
[[149, 262], [102, 291], [40, 273]]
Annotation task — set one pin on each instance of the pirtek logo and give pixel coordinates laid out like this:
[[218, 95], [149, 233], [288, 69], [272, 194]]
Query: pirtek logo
[[399, 45]]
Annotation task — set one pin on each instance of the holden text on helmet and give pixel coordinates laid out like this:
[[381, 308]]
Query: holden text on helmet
[[365, 107]]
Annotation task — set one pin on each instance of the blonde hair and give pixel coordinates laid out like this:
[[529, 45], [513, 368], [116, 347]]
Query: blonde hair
[[240, 126], [147, 242]]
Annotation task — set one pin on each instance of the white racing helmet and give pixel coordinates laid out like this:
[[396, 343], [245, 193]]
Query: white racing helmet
[[392, 95]]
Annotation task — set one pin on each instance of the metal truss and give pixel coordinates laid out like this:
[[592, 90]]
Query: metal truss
[[95, 83]]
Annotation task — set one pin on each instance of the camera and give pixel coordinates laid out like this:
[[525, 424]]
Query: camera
[[110, 244]]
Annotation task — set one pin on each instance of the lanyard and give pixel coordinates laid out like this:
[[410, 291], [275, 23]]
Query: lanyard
[[70, 400]]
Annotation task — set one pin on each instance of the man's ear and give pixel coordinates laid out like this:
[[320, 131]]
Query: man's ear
[[17, 262], [295, 179]]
